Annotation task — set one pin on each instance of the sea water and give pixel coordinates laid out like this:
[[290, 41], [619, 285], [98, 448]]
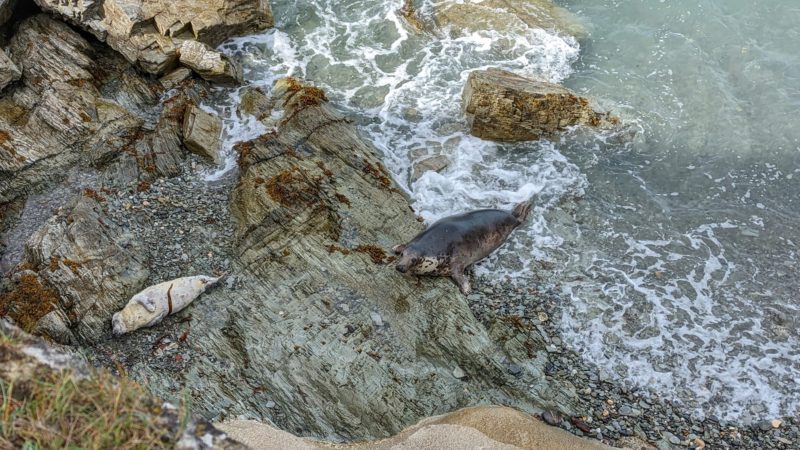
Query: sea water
[[676, 246]]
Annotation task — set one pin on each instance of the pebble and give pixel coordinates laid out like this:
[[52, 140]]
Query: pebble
[[376, 319], [671, 438], [626, 410], [270, 404], [776, 423], [459, 373]]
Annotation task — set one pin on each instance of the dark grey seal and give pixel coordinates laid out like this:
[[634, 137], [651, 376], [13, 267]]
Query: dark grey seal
[[452, 244]]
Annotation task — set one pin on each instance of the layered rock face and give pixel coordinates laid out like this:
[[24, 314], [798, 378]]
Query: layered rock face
[[503, 106], [79, 103], [319, 331], [78, 268], [149, 33]]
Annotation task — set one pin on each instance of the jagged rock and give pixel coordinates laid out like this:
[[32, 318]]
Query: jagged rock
[[6, 9], [503, 106], [8, 70], [256, 103], [459, 18], [488, 427], [79, 101], [209, 63], [26, 361], [175, 77], [78, 270], [435, 163], [202, 133], [315, 211], [150, 33]]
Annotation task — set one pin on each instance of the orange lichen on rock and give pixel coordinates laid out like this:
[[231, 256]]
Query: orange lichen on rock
[[334, 248], [290, 188], [375, 253], [378, 172], [343, 199], [28, 302], [91, 193]]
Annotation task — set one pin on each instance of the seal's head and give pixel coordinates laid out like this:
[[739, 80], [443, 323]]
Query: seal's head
[[414, 261], [118, 324]]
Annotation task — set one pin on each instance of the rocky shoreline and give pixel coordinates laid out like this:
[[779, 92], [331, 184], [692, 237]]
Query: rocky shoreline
[[312, 330]]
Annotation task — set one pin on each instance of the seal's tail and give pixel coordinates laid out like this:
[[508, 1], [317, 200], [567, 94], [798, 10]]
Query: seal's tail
[[521, 210]]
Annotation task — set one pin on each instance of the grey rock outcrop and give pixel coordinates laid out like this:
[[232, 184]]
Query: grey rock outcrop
[[149, 33], [504, 106], [202, 133], [295, 336], [459, 18], [85, 266]]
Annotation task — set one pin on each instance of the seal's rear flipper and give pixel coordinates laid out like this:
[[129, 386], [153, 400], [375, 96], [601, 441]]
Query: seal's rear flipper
[[398, 249], [521, 210], [461, 281]]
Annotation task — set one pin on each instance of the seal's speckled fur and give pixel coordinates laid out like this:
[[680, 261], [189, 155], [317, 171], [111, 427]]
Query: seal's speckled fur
[[452, 244]]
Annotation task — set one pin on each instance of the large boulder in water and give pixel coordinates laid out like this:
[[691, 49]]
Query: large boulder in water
[[79, 269], [149, 33], [504, 106], [316, 330], [459, 18]]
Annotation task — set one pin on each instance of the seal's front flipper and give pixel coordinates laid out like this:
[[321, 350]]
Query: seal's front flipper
[[462, 281]]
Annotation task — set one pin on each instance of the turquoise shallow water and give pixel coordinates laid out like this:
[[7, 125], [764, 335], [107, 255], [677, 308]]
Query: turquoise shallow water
[[679, 252]]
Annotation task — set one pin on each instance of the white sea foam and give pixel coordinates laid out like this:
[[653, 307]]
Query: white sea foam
[[670, 332]]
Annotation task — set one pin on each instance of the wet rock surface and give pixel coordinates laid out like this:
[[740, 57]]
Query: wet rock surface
[[150, 33], [503, 106]]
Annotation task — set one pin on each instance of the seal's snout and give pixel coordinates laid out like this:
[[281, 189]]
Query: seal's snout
[[401, 268]]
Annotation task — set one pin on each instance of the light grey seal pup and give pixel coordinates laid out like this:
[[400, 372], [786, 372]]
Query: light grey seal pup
[[452, 244]]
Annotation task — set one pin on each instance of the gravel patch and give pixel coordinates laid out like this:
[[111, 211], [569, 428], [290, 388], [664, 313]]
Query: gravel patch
[[612, 411]]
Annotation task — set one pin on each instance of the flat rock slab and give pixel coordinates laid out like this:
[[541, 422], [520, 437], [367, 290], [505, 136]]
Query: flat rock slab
[[503, 106]]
